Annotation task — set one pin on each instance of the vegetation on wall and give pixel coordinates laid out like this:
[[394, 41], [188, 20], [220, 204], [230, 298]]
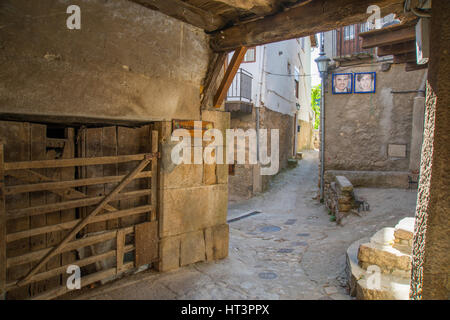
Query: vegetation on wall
[[315, 104]]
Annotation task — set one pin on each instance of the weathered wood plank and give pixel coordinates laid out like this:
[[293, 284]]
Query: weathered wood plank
[[69, 184], [2, 226], [88, 218], [404, 58], [65, 193], [73, 245], [61, 163], [212, 75], [109, 147], [154, 180], [305, 20], [38, 152], [146, 243], [390, 36], [120, 250], [17, 137], [68, 214], [87, 280], [396, 49], [40, 210], [70, 224]]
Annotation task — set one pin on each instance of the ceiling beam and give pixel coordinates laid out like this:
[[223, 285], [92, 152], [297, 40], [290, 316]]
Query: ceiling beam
[[310, 18], [388, 36], [255, 6], [185, 12]]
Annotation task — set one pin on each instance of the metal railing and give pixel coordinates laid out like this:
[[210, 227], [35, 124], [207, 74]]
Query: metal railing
[[241, 87]]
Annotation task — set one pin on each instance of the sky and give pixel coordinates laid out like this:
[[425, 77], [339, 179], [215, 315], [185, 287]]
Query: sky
[[315, 78]]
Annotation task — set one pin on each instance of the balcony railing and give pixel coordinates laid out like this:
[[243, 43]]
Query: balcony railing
[[241, 87]]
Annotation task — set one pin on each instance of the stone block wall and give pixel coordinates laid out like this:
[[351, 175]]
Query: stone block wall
[[193, 204], [339, 198]]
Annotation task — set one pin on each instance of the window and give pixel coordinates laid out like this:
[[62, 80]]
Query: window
[[364, 27], [297, 81], [250, 56], [349, 32]]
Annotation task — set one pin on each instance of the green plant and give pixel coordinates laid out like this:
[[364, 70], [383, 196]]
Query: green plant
[[315, 104], [333, 218]]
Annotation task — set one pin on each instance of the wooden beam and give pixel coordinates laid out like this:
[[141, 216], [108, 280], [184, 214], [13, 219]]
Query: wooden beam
[[2, 226], [88, 218], [412, 66], [232, 69], [310, 18], [259, 7], [185, 12], [404, 58], [388, 36], [211, 77], [396, 49]]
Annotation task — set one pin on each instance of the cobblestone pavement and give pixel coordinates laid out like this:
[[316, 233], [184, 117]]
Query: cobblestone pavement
[[290, 250]]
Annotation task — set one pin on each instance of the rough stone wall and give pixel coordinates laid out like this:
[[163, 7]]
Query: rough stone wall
[[359, 127], [285, 124], [126, 63], [430, 278], [240, 185]]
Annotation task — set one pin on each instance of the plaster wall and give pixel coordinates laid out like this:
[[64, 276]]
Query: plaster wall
[[126, 63], [360, 127]]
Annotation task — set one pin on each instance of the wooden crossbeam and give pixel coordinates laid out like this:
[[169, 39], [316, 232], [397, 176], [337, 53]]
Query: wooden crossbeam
[[412, 66], [211, 77], [388, 36], [2, 225], [70, 224], [185, 12], [396, 49], [71, 204], [404, 58], [64, 193], [231, 71], [55, 185], [75, 162], [301, 21], [88, 218]]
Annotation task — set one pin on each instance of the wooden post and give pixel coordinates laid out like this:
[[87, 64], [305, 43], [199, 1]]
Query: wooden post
[[2, 227], [154, 177], [120, 249], [235, 62]]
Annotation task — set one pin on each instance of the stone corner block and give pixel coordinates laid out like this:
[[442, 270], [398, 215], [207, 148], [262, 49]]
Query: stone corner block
[[192, 248], [169, 254], [217, 242]]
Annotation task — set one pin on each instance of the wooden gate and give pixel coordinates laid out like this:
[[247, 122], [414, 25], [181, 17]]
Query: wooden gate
[[96, 212]]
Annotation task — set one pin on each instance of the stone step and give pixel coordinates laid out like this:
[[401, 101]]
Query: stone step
[[390, 288], [404, 230], [389, 259], [359, 280]]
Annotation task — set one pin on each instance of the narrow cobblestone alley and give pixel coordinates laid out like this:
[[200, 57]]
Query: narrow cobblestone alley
[[289, 250]]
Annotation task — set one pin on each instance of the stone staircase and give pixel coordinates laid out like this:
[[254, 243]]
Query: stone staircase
[[379, 268]]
